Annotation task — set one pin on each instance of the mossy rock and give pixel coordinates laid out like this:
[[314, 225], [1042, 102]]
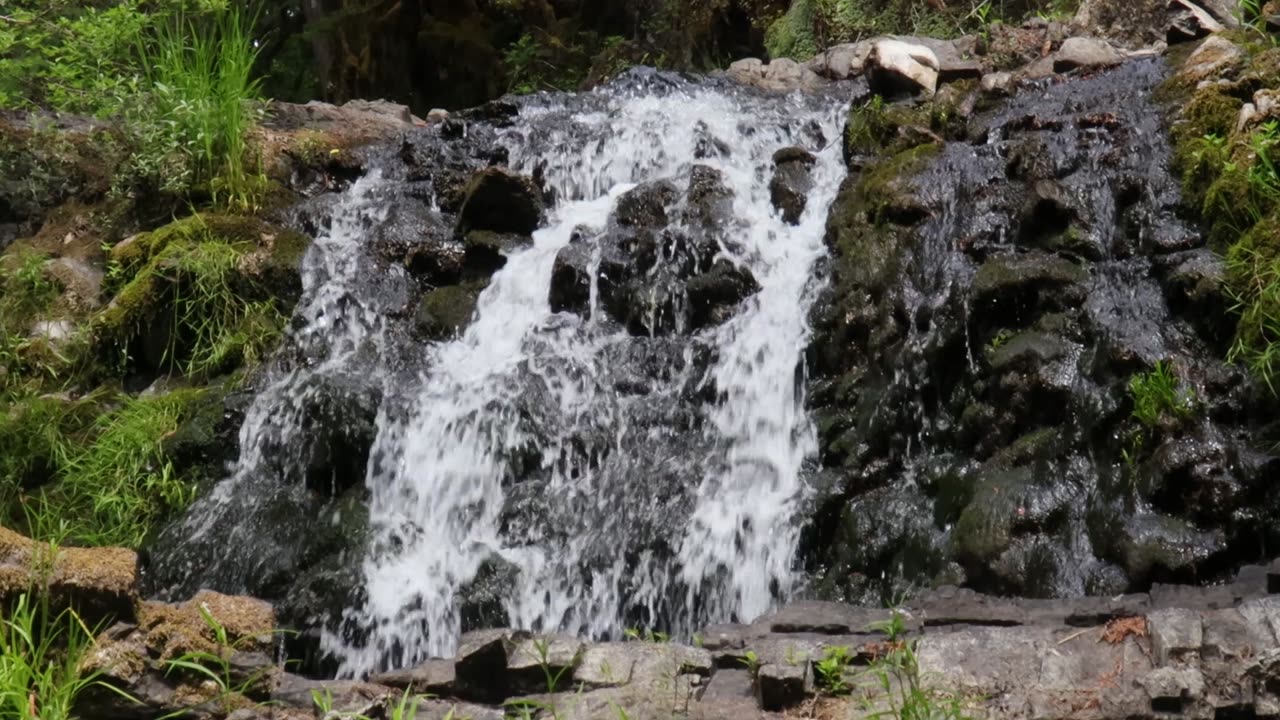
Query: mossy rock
[[986, 527], [445, 312], [203, 294]]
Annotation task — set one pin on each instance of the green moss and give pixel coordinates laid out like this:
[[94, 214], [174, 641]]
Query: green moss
[[202, 295], [447, 311]]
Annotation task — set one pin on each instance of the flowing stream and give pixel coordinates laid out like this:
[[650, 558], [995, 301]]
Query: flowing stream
[[599, 479]]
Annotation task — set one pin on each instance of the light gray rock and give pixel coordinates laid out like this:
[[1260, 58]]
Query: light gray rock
[[841, 62], [895, 67], [1175, 633], [1082, 53], [1213, 55], [780, 75], [433, 677]]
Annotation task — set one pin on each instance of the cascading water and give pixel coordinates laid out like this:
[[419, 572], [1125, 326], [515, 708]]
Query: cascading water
[[525, 382]]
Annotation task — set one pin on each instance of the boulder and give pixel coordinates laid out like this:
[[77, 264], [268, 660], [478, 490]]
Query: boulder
[[780, 75], [446, 312], [1213, 56], [792, 181], [502, 201], [895, 67], [783, 685], [841, 62], [1084, 53], [100, 584]]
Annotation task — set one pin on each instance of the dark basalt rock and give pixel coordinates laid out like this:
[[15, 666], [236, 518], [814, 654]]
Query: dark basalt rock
[[791, 182], [501, 201], [973, 364]]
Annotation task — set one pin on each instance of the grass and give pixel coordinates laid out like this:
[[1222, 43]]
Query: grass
[[41, 653], [1158, 396], [106, 478], [200, 72], [904, 691]]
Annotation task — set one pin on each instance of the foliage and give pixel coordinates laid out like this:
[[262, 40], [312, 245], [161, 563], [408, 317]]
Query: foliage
[[178, 72], [830, 670], [41, 654], [1157, 396], [902, 691], [114, 482]]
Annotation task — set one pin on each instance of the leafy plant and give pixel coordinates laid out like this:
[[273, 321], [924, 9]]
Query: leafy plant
[[751, 661], [199, 69], [41, 655], [830, 670], [1157, 396], [903, 691]]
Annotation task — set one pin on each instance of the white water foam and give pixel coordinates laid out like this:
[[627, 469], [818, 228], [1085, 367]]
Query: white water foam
[[439, 478]]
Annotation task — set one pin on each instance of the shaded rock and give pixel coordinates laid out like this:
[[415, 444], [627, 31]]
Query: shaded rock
[[1188, 21], [1083, 53], [792, 181], [98, 583], [534, 662], [502, 201], [895, 67], [783, 686], [486, 251]]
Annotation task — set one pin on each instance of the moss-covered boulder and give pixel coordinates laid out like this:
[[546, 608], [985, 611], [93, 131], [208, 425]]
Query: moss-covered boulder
[[202, 295]]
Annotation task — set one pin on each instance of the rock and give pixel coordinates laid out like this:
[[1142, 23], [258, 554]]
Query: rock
[[502, 201], [1188, 21], [436, 115], [895, 67], [81, 282], [1157, 542], [1210, 59], [485, 251], [714, 294], [998, 83], [646, 205], [482, 663], [100, 584], [783, 686], [346, 696], [445, 312], [1082, 53], [432, 677], [792, 181], [1175, 634], [533, 663], [841, 62], [780, 75], [1171, 689], [1015, 282]]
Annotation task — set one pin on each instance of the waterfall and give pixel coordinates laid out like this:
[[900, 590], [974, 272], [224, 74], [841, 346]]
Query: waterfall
[[523, 381]]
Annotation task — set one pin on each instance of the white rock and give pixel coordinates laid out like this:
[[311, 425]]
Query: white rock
[[1086, 53], [1000, 83], [894, 66], [437, 115]]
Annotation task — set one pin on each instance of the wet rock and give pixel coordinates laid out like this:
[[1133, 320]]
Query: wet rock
[[1082, 53], [710, 202], [1012, 285], [1160, 543], [501, 201], [895, 67], [445, 312], [1188, 21], [792, 181], [482, 662], [98, 583], [646, 205], [713, 295], [486, 251], [1210, 59]]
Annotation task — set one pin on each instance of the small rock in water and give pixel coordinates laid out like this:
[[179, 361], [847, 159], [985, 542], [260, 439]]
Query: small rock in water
[[895, 67]]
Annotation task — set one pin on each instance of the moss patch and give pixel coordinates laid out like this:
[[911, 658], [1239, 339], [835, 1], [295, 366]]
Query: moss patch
[[203, 295]]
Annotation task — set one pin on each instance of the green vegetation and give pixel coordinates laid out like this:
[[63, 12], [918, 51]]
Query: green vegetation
[[41, 653], [214, 669], [1158, 396], [830, 670], [907, 694], [1230, 177]]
